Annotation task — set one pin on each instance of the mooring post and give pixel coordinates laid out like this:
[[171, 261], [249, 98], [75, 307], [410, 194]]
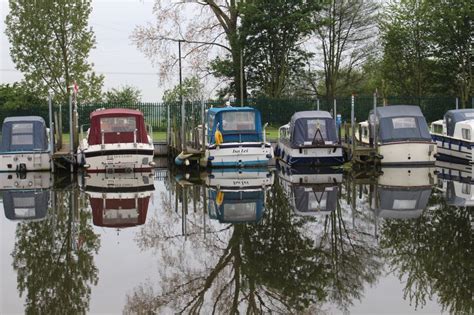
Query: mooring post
[[51, 131], [71, 132], [353, 123], [317, 103], [203, 124], [183, 110], [457, 102], [374, 122], [334, 116], [168, 125]]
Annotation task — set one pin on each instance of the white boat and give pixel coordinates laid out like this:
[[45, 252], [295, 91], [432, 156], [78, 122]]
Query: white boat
[[310, 138], [237, 195], [234, 137], [403, 192], [402, 135], [117, 140], [311, 191], [25, 145], [26, 196], [456, 182], [118, 200], [454, 136]]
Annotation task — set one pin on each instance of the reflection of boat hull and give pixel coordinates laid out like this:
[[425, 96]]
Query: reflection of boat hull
[[28, 180], [25, 161], [310, 155], [407, 176], [238, 155], [238, 178], [309, 175], [456, 181], [117, 157], [118, 182]]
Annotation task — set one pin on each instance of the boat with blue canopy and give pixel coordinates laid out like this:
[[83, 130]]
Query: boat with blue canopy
[[25, 145], [234, 137]]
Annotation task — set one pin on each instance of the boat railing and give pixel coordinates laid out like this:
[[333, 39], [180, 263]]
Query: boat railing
[[103, 132]]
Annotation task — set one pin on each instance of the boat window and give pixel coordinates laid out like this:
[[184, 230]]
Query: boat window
[[437, 128], [404, 122], [466, 189], [466, 133], [238, 121], [22, 139], [399, 204], [211, 120], [118, 124], [313, 125], [22, 134], [22, 128], [365, 132]]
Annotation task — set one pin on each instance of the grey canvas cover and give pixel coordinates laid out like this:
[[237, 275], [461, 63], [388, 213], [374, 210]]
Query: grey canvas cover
[[303, 126], [25, 204], [400, 123], [456, 115], [402, 202], [303, 198], [25, 133]]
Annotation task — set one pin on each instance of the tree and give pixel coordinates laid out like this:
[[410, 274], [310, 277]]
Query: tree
[[213, 24], [50, 45], [191, 90], [345, 39], [272, 32], [123, 95], [17, 96]]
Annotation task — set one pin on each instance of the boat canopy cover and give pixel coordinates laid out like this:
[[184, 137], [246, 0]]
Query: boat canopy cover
[[456, 115], [400, 123], [304, 126], [119, 212], [309, 200], [237, 206], [235, 123], [25, 133], [402, 202], [25, 204], [118, 126]]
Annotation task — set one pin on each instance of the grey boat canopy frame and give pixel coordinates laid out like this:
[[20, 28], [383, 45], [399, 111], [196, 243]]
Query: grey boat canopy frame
[[452, 117], [23, 134], [398, 123], [304, 127]]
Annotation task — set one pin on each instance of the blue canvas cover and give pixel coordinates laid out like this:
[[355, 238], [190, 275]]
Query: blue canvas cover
[[304, 126], [237, 124], [402, 202], [25, 204], [26, 133], [237, 206], [400, 123], [456, 115]]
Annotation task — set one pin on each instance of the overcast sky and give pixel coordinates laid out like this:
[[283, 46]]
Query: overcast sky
[[115, 56]]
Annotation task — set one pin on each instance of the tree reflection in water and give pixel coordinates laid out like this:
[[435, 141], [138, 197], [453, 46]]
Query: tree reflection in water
[[283, 264], [53, 259], [434, 255]]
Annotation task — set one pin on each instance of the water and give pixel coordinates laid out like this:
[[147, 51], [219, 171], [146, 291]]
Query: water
[[283, 241]]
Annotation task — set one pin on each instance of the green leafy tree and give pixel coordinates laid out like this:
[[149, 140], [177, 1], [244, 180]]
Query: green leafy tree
[[50, 44], [190, 90], [123, 95]]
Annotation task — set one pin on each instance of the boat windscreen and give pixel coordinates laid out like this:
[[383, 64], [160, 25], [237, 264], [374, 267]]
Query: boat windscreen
[[238, 121], [403, 128], [24, 136], [313, 129]]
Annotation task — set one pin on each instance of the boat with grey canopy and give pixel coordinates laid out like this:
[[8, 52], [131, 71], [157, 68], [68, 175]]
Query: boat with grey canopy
[[399, 134], [454, 136], [25, 145], [310, 138]]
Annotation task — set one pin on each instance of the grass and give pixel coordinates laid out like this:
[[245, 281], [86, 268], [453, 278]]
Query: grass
[[272, 135]]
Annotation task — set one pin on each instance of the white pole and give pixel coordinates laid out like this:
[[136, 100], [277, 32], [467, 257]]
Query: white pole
[[457, 102], [71, 131], [317, 103], [51, 131]]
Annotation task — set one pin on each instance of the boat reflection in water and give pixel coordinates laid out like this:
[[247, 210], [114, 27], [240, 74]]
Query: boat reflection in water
[[118, 200], [311, 191], [26, 195], [455, 181], [237, 195], [403, 193]]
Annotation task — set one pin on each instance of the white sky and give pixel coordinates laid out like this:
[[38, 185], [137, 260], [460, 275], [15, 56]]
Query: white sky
[[115, 56]]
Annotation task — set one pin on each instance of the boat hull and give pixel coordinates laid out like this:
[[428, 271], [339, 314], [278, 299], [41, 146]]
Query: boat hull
[[123, 157], [25, 161], [411, 153], [238, 155], [454, 150], [317, 156]]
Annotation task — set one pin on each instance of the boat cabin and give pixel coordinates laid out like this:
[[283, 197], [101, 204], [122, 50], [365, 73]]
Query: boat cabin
[[453, 117], [398, 123], [117, 125], [26, 205], [236, 206], [119, 212], [236, 124], [309, 128], [24, 134]]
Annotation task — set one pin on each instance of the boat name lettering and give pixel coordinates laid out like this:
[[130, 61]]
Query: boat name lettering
[[241, 150], [241, 182]]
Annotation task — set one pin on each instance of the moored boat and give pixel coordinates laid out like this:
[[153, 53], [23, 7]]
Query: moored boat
[[234, 137], [310, 138], [454, 136], [401, 135], [117, 140], [25, 145]]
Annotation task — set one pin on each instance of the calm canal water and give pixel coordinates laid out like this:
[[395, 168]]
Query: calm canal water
[[323, 241]]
